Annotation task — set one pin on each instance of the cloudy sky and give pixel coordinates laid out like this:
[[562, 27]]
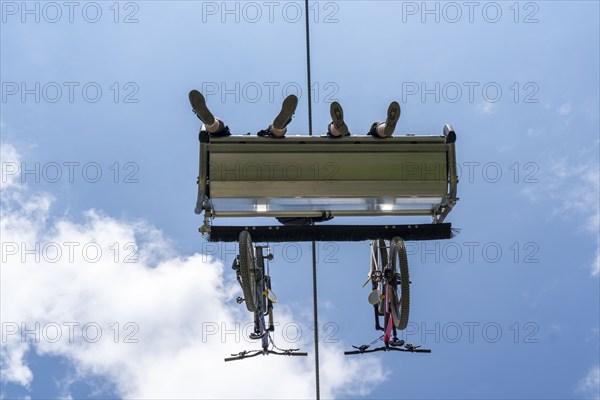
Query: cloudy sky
[[109, 291]]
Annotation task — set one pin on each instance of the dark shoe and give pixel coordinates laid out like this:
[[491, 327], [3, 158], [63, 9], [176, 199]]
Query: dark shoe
[[393, 115], [223, 130], [266, 133], [337, 118], [288, 108], [199, 106]]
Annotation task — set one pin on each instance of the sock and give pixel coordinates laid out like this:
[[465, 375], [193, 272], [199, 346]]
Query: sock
[[278, 132], [212, 128]]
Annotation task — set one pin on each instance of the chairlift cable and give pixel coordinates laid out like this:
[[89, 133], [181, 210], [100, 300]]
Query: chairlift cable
[[314, 255], [308, 69], [316, 319]]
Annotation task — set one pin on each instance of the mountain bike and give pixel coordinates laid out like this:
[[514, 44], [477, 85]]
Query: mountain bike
[[390, 296], [255, 281]]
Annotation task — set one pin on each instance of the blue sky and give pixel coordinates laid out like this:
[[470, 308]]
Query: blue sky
[[518, 80]]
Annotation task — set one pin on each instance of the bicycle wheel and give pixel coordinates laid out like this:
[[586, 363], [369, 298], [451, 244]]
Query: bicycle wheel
[[379, 260], [400, 305], [247, 270]]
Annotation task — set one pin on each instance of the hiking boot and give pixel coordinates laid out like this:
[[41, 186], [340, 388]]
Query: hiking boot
[[288, 108], [337, 118], [393, 115], [199, 106]]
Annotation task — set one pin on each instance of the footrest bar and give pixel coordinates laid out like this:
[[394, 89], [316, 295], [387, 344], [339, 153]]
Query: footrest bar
[[332, 233]]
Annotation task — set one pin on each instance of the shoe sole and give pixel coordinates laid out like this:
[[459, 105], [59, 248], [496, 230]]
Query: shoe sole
[[288, 108], [393, 115], [199, 105], [337, 117]]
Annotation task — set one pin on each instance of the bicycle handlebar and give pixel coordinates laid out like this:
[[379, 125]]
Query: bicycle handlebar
[[254, 353], [410, 349], [242, 355], [303, 354]]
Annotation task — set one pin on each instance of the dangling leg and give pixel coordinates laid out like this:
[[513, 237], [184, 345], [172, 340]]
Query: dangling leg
[[212, 125], [278, 127], [386, 129], [337, 127]]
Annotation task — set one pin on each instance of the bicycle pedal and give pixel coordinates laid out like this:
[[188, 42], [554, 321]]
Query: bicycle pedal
[[397, 343], [240, 300], [271, 329], [361, 348], [374, 297]]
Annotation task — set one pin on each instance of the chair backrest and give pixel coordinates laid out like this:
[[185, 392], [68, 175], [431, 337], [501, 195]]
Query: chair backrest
[[248, 176]]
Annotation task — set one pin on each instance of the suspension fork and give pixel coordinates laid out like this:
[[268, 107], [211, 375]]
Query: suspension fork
[[257, 329], [262, 283], [259, 320], [265, 338], [263, 329], [269, 304], [378, 326]]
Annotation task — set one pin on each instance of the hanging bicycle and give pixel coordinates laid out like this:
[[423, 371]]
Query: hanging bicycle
[[255, 281], [390, 296]]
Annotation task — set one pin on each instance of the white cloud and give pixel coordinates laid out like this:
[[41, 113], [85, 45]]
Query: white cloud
[[589, 386], [9, 166], [565, 109], [573, 188], [178, 308], [13, 369], [486, 107]]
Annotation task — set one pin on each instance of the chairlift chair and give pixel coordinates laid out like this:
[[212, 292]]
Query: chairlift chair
[[312, 177]]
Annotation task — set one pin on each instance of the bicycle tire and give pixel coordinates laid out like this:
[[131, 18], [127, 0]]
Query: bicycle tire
[[379, 259], [247, 270], [400, 307]]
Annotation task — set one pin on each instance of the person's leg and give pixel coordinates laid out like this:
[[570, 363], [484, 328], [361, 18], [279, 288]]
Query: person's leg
[[211, 124], [386, 129], [279, 126], [337, 127]]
